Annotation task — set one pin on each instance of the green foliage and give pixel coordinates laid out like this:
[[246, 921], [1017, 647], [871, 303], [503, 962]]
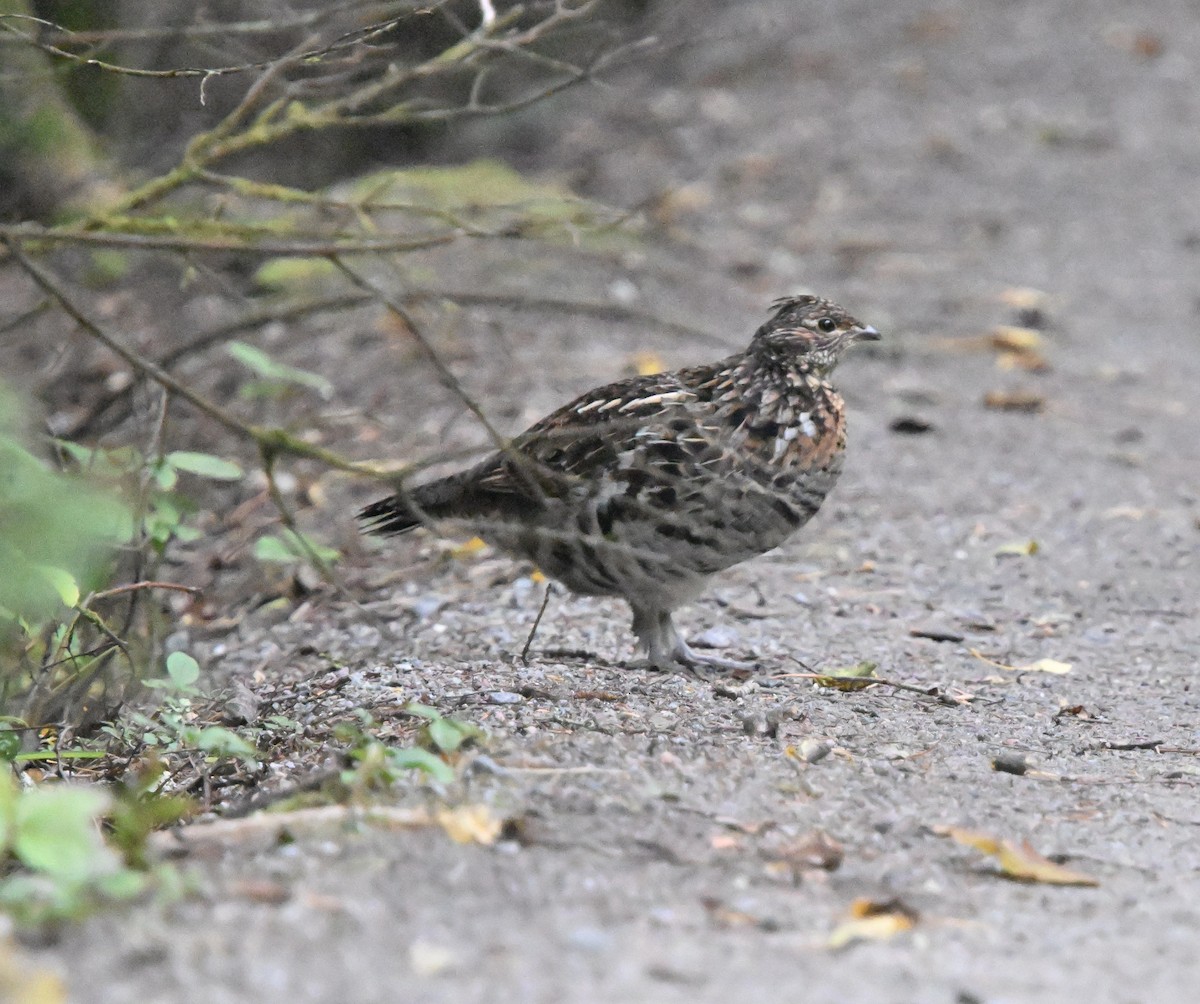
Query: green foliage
[[63, 866], [173, 728], [290, 548], [377, 765], [57, 533], [164, 510], [442, 733], [105, 267], [276, 377], [295, 275]]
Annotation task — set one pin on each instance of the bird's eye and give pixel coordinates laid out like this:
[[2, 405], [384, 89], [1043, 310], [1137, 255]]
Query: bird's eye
[[827, 324]]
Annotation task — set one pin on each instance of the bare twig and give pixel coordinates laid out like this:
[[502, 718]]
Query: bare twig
[[536, 622], [448, 377], [133, 586], [871, 681], [270, 442], [249, 241]]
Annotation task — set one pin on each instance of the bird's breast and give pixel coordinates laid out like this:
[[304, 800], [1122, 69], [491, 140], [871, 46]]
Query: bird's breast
[[798, 431]]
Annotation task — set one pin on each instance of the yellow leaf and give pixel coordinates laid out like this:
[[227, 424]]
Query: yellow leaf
[[22, 983], [1021, 548], [468, 824], [1014, 400], [537, 576], [872, 921], [470, 549], [1017, 861], [1008, 338], [1041, 666]]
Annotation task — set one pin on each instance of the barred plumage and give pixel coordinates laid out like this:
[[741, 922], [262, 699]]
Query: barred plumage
[[647, 487]]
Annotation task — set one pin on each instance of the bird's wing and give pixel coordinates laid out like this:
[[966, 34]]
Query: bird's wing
[[588, 435]]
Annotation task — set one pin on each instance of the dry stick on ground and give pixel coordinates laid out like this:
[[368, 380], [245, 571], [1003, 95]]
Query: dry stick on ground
[[536, 622], [871, 681]]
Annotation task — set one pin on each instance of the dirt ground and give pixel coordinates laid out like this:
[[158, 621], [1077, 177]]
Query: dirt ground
[[930, 166]]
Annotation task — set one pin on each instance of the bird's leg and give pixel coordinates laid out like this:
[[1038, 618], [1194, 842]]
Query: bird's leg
[[648, 626], [666, 651]]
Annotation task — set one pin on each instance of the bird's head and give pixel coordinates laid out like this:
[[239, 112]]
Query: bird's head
[[811, 332]]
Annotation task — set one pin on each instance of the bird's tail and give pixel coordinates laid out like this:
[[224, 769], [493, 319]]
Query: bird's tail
[[410, 508], [388, 516]]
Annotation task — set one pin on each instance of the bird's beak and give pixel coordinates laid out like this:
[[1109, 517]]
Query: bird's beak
[[866, 334]]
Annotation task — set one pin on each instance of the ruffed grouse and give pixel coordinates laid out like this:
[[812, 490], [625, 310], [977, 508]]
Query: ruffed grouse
[[647, 487]]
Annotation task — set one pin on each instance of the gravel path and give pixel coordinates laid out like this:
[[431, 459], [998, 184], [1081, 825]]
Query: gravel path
[[941, 170]]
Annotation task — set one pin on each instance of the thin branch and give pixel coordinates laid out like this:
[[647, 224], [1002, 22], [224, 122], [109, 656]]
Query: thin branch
[[601, 310], [271, 442], [117, 590], [448, 377]]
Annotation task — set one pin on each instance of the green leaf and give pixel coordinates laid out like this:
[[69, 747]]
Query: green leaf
[[290, 547], [297, 275], [204, 464], [166, 477], [271, 548], [220, 741], [56, 831], [10, 745], [63, 583], [49, 521], [446, 734], [183, 669], [419, 759], [418, 710], [257, 360]]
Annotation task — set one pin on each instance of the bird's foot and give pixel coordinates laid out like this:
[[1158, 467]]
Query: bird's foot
[[668, 652], [703, 666], [708, 665]]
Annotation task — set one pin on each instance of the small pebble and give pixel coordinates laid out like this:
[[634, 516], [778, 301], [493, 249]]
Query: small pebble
[[504, 697], [426, 606], [719, 636], [814, 750]]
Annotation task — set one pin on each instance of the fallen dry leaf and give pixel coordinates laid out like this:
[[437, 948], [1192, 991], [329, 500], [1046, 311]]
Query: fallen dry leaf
[[23, 983], [466, 824], [1041, 666], [1045, 666], [815, 851], [1018, 348], [470, 549], [856, 677], [1014, 400], [1017, 861], [1018, 548], [1009, 338], [871, 920]]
